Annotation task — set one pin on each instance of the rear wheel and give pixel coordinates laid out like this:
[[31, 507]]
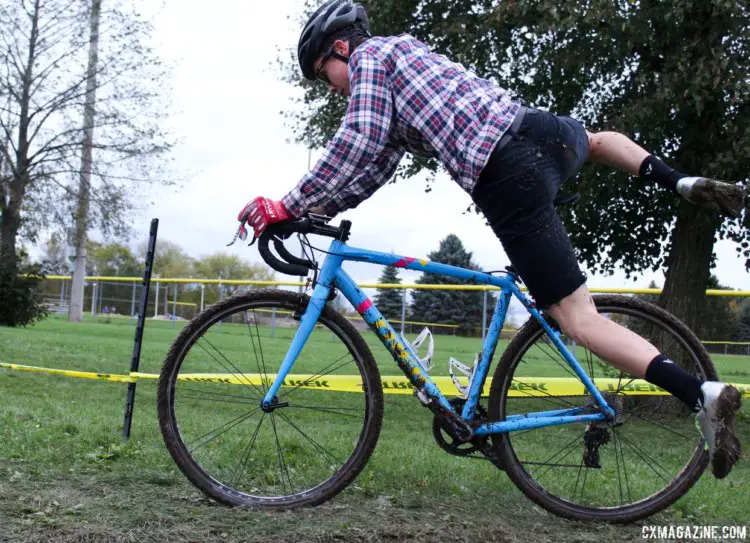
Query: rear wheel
[[306, 450], [616, 471]]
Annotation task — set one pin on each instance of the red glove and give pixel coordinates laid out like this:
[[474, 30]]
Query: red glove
[[259, 213]]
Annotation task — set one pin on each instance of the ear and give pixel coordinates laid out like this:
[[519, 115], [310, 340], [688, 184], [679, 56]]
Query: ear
[[341, 47]]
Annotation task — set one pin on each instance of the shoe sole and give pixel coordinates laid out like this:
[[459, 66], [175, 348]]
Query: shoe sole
[[727, 198], [728, 449]]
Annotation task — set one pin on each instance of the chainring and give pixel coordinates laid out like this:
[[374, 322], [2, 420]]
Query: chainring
[[444, 439]]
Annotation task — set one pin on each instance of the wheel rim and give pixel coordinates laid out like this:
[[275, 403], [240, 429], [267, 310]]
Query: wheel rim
[[644, 457], [246, 455]]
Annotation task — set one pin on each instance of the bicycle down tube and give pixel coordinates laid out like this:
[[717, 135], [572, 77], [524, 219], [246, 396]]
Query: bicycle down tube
[[333, 276]]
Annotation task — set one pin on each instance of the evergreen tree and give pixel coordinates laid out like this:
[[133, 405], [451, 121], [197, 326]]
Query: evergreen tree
[[389, 300], [461, 307]]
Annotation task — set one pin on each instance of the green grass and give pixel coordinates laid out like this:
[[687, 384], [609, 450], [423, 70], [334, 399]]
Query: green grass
[[66, 475]]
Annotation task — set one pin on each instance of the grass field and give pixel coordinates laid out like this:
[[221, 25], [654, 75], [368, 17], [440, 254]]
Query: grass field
[[66, 475]]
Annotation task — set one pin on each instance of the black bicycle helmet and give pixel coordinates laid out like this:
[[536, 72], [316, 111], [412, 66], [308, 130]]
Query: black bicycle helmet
[[328, 19]]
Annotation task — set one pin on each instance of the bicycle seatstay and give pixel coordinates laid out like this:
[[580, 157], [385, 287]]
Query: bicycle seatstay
[[332, 275]]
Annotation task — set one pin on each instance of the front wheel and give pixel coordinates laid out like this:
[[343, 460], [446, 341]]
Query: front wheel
[[618, 471], [305, 450]]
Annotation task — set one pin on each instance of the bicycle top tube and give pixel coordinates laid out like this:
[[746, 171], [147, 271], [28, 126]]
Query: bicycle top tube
[[316, 224]]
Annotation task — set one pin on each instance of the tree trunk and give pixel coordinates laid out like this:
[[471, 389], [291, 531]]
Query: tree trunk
[[82, 211], [8, 231], [19, 180], [688, 265]]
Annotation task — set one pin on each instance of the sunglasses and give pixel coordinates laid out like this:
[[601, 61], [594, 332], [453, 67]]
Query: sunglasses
[[319, 75]]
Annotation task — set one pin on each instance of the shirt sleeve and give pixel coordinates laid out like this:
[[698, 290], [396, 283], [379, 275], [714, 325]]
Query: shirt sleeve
[[359, 159]]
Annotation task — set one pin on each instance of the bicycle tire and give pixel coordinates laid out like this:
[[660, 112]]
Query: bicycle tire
[[220, 491], [503, 443]]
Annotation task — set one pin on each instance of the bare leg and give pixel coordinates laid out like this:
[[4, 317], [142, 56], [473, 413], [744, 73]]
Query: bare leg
[[619, 151], [577, 316], [616, 150]]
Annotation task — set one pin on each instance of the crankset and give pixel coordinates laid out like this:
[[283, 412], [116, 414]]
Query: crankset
[[443, 434]]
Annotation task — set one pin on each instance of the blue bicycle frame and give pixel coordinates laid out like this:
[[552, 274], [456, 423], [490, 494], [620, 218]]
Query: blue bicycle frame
[[333, 276]]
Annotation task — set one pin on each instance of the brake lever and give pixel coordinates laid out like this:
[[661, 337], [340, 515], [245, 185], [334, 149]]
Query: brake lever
[[241, 233]]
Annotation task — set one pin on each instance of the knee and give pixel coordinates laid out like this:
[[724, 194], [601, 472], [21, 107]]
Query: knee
[[596, 141], [579, 324]]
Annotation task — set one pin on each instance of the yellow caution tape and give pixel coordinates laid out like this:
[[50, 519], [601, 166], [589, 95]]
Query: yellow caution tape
[[72, 373], [392, 384]]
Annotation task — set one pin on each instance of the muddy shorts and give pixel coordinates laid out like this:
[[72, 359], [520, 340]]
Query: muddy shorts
[[516, 190]]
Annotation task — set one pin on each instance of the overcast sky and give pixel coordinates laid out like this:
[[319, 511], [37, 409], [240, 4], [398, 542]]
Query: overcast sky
[[235, 145]]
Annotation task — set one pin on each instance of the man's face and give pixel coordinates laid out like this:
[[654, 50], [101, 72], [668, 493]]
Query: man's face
[[334, 72]]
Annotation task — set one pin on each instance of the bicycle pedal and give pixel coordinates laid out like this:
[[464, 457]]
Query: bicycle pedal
[[415, 346], [466, 371]]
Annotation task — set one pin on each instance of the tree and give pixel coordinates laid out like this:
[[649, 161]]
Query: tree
[[671, 74], [112, 260], [43, 87], [718, 318], [55, 259], [742, 326], [389, 300], [84, 184], [461, 307], [222, 265], [170, 260]]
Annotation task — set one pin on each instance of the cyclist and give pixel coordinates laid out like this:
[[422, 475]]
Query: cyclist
[[511, 159]]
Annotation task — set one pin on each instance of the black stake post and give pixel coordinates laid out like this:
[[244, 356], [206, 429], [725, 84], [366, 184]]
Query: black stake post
[[135, 361]]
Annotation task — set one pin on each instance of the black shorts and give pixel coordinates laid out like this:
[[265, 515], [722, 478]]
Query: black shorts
[[515, 191]]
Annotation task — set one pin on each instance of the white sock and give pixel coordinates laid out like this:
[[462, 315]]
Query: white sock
[[685, 186]]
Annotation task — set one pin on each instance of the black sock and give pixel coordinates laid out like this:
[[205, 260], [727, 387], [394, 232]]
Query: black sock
[[653, 169], [664, 373]]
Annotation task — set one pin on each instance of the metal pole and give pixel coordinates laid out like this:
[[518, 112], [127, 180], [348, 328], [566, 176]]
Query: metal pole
[[273, 321], [156, 301], [221, 297], [203, 294], [484, 315], [174, 307], [62, 294], [403, 310], [99, 290], [135, 361], [132, 302], [93, 299], [166, 300]]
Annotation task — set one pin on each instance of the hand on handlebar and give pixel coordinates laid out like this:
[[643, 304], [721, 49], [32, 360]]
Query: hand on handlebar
[[259, 213]]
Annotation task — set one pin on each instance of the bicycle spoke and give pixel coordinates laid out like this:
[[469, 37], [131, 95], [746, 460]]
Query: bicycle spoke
[[618, 443], [332, 410], [560, 402], [246, 453], [319, 375], [224, 428], [314, 443], [617, 467], [231, 364], [564, 364], [646, 458], [667, 428], [242, 399], [591, 367], [282, 462], [585, 478], [262, 372], [548, 463]]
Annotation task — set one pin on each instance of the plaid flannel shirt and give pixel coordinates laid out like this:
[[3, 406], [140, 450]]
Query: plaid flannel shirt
[[404, 98]]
